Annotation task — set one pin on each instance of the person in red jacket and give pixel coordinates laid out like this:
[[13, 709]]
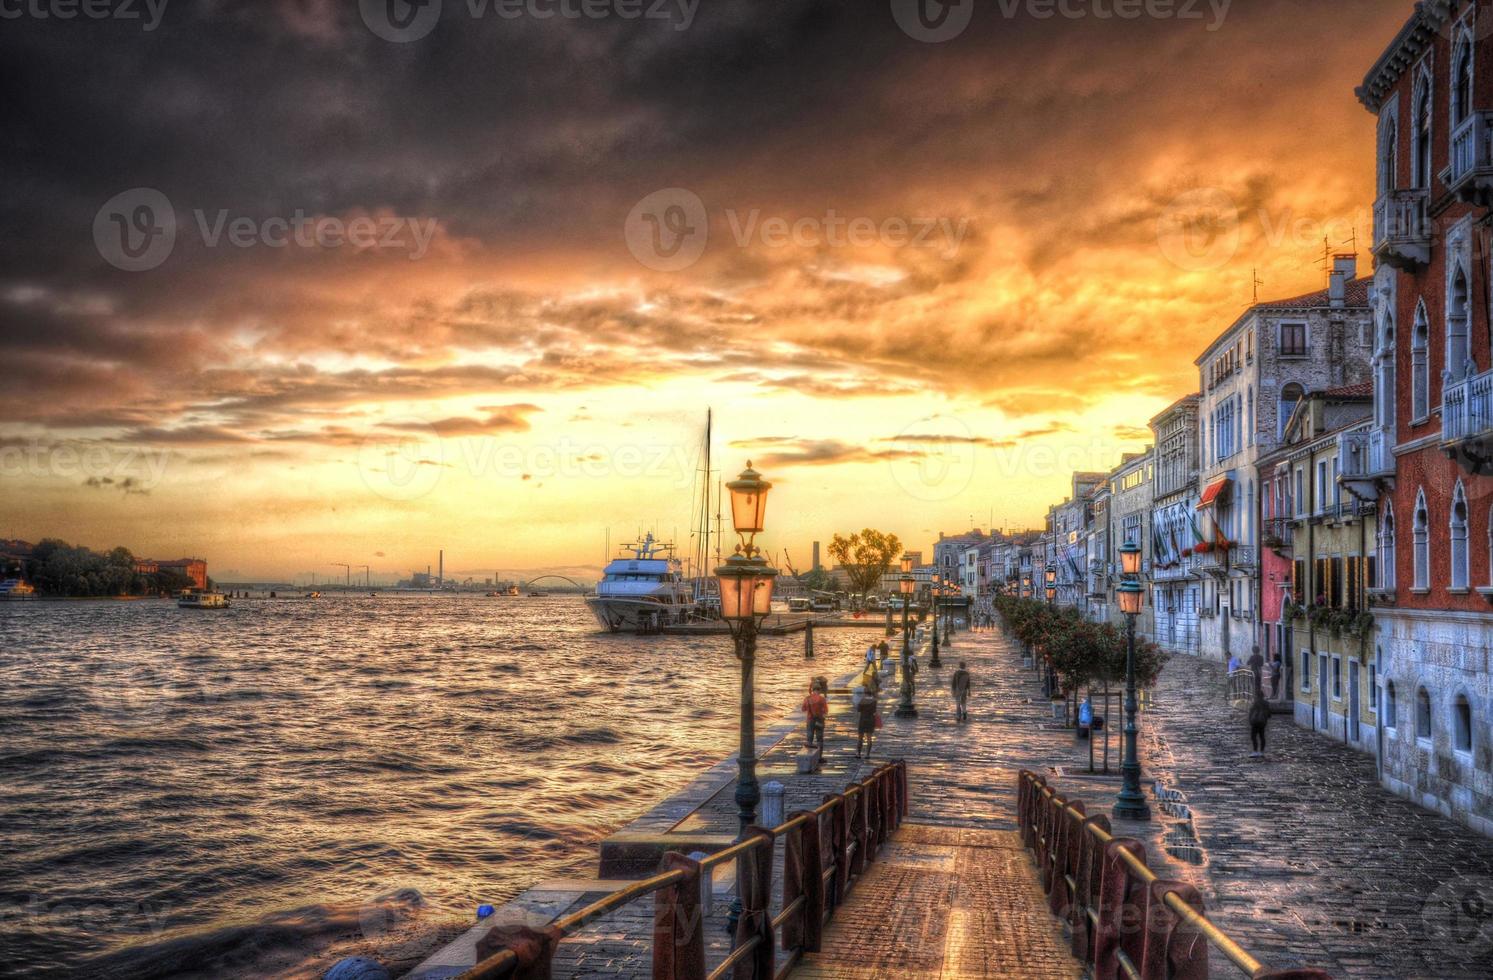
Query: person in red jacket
[[816, 709]]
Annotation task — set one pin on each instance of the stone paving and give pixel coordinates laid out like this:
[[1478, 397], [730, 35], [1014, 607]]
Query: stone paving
[[1301, 857]]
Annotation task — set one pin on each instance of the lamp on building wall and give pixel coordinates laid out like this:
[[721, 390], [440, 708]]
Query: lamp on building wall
[[1130, 804]]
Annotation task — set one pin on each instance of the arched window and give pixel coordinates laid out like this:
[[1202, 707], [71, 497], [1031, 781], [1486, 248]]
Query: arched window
[[1390, 704], [1387, 547], [1420, 366], [1462, 82], [1462, 723], [1459, 571], [1458, 353], [1422, 714], [1422, 556], [1290, 397], [1421, 121]]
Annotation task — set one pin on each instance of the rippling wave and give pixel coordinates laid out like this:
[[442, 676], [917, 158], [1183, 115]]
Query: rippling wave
[[192, 793]]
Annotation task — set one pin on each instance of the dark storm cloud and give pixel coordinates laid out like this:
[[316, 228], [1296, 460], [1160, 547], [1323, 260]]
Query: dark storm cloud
[[527, 141]]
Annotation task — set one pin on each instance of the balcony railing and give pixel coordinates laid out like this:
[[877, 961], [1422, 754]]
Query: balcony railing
[[1472, 157], [1279, 533], [1402, 235], [1467, 408]]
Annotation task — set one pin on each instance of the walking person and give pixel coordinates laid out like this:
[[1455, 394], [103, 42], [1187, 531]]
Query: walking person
[[959, 685], [1277, 671], [816, 709], [1256, 664], [886, 651], [1259, 717], [865, 728]]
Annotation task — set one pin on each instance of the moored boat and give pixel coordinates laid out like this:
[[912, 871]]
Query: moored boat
[[15, 588], [197, 599], [642, 590]]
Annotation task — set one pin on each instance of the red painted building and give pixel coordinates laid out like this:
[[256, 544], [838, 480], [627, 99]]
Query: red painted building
[[194, 569], [1430, 448]]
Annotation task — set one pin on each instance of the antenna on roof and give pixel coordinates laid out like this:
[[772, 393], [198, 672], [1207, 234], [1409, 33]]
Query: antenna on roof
[[1326, 260], [1254, 275]]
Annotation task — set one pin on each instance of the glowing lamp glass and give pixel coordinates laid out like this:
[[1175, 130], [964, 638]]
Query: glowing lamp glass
[[748, 501]]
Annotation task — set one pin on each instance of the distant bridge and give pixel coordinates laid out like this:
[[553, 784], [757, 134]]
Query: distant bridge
[[563, 578]]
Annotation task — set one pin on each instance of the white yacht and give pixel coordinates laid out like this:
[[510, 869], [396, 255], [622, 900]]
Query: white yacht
[[193, 599], [15, 588], [642, 590]]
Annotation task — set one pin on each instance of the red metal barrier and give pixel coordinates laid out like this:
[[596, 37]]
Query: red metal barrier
[[1124, 920], [825, 851]]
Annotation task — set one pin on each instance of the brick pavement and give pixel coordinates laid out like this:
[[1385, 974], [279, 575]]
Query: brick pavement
[[944, 902]]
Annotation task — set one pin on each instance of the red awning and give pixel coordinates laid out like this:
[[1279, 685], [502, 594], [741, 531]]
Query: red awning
[[1217, 492]]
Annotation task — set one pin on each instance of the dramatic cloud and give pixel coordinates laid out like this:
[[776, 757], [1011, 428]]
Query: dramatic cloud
[[1033, 227]]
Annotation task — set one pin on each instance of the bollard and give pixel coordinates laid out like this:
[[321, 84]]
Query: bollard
[[772, 804], [809, 640]]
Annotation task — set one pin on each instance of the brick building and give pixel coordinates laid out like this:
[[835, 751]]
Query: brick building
[[1432, 432], [195, 569]]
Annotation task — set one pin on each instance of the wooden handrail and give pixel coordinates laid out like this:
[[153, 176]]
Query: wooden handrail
[[862, 819], [1100, 881]]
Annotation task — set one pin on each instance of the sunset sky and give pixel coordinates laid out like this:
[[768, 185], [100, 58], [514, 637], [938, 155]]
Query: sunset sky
[[995, 258]]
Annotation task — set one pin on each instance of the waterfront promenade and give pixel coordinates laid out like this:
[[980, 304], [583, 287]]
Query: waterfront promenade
[[1301, 858]]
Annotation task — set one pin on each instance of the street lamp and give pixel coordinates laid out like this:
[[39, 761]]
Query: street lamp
[[1130, 804], [746, 581], [1052, 584], [935, 590], [906, 708], [746, 594]]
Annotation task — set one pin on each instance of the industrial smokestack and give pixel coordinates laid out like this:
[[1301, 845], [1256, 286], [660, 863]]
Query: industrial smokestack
[[440, 578]]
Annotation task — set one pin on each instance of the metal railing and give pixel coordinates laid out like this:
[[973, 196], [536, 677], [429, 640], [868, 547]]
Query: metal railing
[[816, 881], [1467, 407], [1124, 920]]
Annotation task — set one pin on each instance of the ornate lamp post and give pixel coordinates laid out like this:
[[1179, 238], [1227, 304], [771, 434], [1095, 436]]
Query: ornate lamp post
[[746, 583], [1131, 804], [1052, 600], [934, 607], [906, 708]]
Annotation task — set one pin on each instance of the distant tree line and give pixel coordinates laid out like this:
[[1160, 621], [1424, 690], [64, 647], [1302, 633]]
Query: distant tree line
[[57, 568]]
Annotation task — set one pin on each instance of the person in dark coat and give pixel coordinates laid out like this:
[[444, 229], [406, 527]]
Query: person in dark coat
[[959, 685], [865, 728], [1259, 717], [1257, 664]]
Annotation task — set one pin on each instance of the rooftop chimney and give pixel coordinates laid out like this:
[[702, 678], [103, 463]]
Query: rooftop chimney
[[1344, 270]]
